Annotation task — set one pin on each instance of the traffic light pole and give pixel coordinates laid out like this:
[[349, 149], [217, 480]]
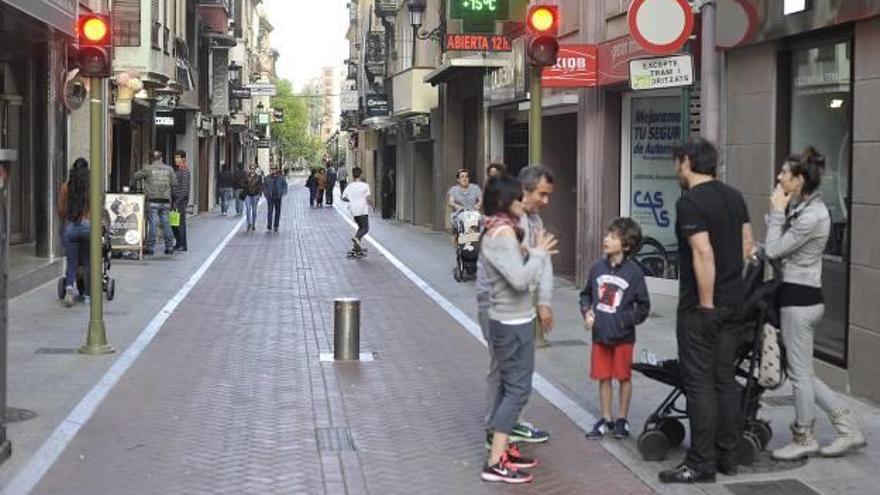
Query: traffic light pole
[[536, 103], [96, 342]]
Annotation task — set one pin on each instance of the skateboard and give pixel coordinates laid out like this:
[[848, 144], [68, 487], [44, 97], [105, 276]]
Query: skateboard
[[356, 254]]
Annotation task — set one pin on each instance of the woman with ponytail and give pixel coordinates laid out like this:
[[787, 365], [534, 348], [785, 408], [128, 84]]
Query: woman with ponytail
[[73, 206]]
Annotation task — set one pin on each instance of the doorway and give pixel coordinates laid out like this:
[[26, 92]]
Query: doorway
[[11, 125]]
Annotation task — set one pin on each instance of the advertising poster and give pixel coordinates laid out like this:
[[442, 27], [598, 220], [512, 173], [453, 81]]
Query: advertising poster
[[655, 129], [126, 221]]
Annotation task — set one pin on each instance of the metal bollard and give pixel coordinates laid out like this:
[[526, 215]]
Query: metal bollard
[[347, 329]]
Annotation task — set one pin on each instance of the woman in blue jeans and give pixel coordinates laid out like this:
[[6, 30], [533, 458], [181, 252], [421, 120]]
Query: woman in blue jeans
[[74, 210]]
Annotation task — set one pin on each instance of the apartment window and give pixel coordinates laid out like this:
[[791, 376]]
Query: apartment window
[[127, 23], [405, 48]]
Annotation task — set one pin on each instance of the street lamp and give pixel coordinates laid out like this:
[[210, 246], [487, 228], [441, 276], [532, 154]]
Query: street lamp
[[416, 10]]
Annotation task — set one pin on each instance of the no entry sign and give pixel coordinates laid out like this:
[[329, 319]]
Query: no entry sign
[[661, 26]]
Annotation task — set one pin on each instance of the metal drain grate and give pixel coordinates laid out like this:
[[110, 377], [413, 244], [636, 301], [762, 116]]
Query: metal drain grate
[[334, 439], [779, 401], [15, 414], [56, 351], [773, 487]]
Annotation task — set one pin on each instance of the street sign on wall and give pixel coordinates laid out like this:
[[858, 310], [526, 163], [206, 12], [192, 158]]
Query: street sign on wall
[[262, 89], [349, 100], [377, 106], [661, 72], [576, 67], [661, 26]]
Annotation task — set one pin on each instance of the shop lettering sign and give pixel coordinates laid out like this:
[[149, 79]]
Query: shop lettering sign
[[577, 66], [478, 42], [664, 72]]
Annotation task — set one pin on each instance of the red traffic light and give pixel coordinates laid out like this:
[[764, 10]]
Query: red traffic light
[[94, 53], [543, 29], [543, 19], [94, 29]]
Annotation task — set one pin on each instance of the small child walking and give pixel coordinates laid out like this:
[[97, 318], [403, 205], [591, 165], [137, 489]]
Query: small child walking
[[613, 302]]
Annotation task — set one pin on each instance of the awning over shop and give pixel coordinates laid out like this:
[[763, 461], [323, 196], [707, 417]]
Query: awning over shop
[[378, 122], [60, 14], [456, 67]]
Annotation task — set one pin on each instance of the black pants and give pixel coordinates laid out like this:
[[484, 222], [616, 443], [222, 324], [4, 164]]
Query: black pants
[[274, 209], [319, 198], [707, 345], [363, 223], [329, 193], [180, 232], [342, 185]]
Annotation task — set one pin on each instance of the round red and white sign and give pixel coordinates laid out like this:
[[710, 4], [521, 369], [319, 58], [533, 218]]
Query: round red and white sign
[[661, 26], [736, 23]]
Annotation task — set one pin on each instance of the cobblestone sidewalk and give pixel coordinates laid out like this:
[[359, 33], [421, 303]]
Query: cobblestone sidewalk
[[231, 396]]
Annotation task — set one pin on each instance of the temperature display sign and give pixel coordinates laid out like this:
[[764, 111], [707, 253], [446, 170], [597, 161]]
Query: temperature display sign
[[479, 15]]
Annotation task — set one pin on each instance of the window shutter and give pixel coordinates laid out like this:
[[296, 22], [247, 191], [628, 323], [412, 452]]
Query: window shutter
[[127, 22]]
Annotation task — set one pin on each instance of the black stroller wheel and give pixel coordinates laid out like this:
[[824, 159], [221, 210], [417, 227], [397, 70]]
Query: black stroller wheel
[[762, 430], [653, 445], [674, 431], [62, 288], [749, 447], [110, 289]]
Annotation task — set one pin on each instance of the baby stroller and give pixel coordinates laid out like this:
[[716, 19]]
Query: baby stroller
[[467, 225], [108, 283], [664, 428]]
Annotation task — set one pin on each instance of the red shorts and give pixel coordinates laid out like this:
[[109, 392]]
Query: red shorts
[[611, 361]]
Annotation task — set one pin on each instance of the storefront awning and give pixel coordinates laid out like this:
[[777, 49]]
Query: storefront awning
[[378, 122], [457, 66]]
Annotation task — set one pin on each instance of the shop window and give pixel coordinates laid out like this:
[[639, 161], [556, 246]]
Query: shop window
[[821, 116]]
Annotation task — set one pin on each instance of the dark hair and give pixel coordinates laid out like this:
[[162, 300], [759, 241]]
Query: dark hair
[[629, 232], [180, 153], [502, 170], [809, 165], [532, 175], [357, 172], [701, 153], [77, 190], [462, 171], [500, 193]]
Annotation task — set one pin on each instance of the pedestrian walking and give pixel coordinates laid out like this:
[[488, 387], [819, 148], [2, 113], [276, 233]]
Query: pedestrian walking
[[359, 200], [274, 188], [312, 186], [614, 301], [252, 191], [321, 185], [513, 270], [73, 207], [180, 197], [389, 194], [342, 177], [239, 180], [714, 238], [226, 185], [331, 183], [158, 181], [798, 228]]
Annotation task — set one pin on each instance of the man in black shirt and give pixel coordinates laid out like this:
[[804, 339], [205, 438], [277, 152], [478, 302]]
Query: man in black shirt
[[714, 237]]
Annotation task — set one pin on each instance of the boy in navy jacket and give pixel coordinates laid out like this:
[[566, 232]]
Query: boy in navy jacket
[[614, 301]]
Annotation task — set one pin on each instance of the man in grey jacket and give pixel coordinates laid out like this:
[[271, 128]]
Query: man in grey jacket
[[158, 181], [537, 184]]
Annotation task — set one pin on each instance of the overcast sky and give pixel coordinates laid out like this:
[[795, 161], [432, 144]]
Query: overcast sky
[[309, 34]]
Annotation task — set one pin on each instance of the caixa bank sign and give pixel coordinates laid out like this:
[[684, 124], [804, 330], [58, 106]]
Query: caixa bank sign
[[576, 67]]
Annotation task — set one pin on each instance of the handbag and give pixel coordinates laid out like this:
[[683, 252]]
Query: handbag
[[771, 371], [174, 218]]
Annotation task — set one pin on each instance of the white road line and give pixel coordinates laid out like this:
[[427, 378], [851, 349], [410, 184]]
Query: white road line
[[43, 459], [580, 416]]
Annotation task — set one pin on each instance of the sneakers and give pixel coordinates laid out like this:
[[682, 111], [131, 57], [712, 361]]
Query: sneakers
[[357, 244], [169, 252], [517, 460], [600, 429], [526, 432], [686, 474], [505, 472], [621, 429], [69, 298]]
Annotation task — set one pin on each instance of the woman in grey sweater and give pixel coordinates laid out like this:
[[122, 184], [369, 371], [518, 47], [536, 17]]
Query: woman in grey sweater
[[512, 273], [798, 227]]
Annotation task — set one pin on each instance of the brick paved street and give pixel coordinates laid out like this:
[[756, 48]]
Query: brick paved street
[[231, 397]]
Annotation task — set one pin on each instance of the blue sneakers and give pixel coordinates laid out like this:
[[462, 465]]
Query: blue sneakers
[[601, 427], [526, 432]]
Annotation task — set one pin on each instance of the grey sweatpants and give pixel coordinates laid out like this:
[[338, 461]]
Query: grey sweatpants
[[798, 328], [514, 347], [493, 378]]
